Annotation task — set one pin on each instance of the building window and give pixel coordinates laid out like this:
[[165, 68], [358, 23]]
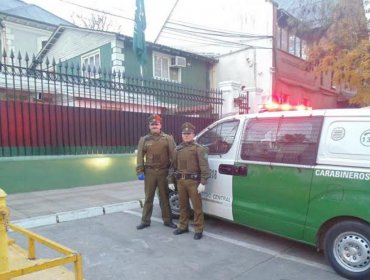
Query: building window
[[41, 42], [304, 50], [91, 59], [284, 39], [163, 69], [298, 48], [278, 37], [292, 45], [332, 86]]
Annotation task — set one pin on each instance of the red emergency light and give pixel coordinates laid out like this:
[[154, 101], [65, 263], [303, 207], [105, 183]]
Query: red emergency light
[[273, 106]]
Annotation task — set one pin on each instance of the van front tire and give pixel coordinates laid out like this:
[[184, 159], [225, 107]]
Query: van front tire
[[347, 249], [174, 204]]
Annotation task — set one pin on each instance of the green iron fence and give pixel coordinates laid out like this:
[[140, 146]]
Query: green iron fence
[[49, 108]]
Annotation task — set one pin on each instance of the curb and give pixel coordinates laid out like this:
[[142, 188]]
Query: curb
[[67, 216]]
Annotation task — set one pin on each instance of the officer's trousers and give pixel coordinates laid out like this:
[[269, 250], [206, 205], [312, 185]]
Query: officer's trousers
[[156, 178], [186, 189]]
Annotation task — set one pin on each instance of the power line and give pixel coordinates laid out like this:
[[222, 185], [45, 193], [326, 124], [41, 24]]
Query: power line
[[168, 17], [193, 33], [215, 30], [96, 10]]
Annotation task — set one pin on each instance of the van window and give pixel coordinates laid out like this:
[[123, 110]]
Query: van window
[[282, 140], [219, 138], [259, 140]]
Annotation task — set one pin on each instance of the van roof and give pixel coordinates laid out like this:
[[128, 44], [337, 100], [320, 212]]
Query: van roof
[[355, 112]]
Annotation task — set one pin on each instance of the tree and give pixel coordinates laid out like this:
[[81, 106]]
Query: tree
[[341, 44], [95, 21]]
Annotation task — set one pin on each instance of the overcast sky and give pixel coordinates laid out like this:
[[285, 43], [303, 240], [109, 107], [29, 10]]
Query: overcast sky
[[156, 12], [224, 15]]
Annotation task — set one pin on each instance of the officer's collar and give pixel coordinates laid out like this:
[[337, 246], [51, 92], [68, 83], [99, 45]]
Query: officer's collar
[[188, 143], [156, 134]]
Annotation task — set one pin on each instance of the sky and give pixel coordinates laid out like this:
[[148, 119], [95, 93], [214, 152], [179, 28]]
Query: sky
[[156, 12], [220, 15]]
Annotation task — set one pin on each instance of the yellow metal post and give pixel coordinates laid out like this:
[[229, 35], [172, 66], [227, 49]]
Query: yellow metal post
[[78, 268], [4, 254], [31, 249]]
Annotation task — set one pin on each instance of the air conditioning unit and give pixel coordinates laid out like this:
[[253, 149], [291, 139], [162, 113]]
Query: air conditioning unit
[[178, 61]]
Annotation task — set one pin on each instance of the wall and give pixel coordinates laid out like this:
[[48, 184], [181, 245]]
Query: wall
[[250, 66], [294, 82], [23, 39], [194, 75], [26, 174], [73, 42]]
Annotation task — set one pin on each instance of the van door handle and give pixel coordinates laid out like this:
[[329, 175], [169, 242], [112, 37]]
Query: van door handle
[[229, 169]]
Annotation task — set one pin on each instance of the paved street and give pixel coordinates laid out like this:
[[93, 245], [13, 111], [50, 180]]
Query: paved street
[[112, 248], [100, 222]]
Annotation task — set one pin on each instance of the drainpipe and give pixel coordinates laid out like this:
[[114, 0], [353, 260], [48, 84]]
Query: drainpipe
[[4, 258], [255, 69]]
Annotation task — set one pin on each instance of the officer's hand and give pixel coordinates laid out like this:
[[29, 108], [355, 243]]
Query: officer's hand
[[141, 176], [171, 187], [201, 188]]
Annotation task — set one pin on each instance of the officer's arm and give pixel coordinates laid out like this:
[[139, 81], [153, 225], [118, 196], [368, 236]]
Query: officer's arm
[[171, 149], [140, 156], [203, 164], [171, 172]]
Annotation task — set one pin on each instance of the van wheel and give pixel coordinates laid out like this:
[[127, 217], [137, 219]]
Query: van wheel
[[174, 204], [347, 249]]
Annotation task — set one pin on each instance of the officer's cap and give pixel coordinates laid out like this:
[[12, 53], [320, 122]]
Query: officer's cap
[[154, 118], [187, 128]]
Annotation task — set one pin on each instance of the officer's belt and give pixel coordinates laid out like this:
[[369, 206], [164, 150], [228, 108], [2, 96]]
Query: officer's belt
[[154, 167], [183, 176]]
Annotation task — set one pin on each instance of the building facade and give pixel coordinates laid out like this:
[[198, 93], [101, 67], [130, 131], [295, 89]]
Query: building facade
[[273, 69]]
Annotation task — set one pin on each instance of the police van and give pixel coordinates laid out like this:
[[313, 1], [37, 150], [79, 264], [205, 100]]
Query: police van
[[304, 175]]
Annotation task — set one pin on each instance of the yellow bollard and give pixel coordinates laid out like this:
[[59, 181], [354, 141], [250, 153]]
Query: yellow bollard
[[4, 255]]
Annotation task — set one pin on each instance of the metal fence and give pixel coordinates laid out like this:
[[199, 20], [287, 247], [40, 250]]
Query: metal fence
[[49, 108]]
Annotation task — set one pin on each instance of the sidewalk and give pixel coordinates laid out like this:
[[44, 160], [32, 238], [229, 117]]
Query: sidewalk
[[44, 203]]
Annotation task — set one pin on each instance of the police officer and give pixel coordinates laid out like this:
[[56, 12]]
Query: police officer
[[155, 154], [191, 171]]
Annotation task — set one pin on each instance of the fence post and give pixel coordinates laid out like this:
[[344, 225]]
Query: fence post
[[4, 257]]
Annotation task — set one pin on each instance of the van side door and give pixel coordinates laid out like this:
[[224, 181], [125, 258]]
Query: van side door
[[279, 153]]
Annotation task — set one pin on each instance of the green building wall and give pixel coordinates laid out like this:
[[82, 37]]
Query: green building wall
[[194, 75], [105, 58], [27, 174]]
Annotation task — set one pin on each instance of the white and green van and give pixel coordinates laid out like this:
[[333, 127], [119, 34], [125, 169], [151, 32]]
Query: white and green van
[[304, 175]]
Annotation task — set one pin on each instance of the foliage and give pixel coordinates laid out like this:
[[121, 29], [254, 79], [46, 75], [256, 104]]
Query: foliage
[[95, 21], [342, 47]]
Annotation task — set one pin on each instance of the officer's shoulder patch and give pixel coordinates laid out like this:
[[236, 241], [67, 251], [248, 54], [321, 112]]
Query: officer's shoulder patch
[[201, 148], [179, 147], [147, 137]]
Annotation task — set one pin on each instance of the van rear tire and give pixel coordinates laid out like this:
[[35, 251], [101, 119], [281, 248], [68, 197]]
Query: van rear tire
[[347, 249]]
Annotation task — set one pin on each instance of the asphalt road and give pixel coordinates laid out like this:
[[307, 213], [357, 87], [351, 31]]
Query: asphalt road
[[112, 248]]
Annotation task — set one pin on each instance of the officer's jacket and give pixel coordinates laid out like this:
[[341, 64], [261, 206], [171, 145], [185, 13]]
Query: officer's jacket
[[155, 151], [190, 158]]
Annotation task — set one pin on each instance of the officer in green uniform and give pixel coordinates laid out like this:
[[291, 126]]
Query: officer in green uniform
[[191, 171], [155, 154]]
